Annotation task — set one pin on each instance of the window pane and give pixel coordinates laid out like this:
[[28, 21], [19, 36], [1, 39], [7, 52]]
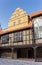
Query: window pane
[[5, 38], [18, 36]]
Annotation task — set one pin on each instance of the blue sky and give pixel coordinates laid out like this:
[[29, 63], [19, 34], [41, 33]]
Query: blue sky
[[9, 6]]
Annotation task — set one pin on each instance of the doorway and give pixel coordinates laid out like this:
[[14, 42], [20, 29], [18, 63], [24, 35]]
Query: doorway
[[25, 53], [30, 53], [22, 53]]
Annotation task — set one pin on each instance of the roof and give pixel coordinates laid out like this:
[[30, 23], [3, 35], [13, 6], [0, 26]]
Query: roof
[[36, 13], [1, 31], [11, 29]]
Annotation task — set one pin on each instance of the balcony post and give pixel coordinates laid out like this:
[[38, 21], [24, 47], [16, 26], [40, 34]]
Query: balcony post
[[35, 54]]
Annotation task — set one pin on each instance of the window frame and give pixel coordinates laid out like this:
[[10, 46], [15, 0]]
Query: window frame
[[5, 39], [18, 37]]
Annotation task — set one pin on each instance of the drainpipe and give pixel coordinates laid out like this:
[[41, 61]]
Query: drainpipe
[[34, 44]]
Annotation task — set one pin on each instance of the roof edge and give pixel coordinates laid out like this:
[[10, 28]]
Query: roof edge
[[35, 13]]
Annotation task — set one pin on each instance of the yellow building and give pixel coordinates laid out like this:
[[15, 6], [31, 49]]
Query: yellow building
[[20, 39]]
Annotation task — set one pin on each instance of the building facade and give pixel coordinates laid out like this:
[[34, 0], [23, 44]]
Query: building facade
[[23, 37]]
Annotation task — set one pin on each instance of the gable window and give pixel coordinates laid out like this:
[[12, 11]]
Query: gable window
[[14, 23], [18, 37], [5, 39], [19, 21]]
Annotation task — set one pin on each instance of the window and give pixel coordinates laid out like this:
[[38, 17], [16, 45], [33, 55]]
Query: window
[[5, 39], [14, 23], [38, 28], [18, 37], [19, 21]]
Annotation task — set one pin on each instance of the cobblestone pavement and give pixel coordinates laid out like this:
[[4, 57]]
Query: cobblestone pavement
[[17, 62]]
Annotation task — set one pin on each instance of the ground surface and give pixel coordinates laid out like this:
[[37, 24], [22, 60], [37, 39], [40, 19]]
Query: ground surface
[[17, 62]]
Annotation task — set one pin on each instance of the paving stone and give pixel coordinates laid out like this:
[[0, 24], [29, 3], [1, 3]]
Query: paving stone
[[17, 62]]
